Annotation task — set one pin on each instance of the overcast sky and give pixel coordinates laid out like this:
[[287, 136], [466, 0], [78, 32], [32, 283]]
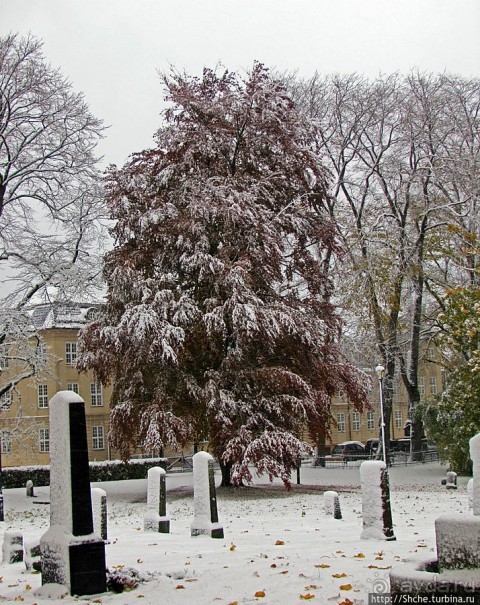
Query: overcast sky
[[112, 49]]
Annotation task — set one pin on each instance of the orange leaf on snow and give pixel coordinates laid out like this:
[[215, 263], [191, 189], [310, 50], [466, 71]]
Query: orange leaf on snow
[[307, 596], [283, 572], [379, 567], [233, 547], [322, 565], [359, 556], [279, 543], [346, 587], [339, 575], [180, 587], [260, 593], [346, 602]]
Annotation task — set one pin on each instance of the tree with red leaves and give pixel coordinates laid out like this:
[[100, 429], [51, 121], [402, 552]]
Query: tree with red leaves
[[219, 324]]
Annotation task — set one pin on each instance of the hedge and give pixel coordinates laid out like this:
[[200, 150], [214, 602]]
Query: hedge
[[109, 470]]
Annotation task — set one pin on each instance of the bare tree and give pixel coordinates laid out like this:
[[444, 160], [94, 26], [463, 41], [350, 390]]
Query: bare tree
[[51, 202]]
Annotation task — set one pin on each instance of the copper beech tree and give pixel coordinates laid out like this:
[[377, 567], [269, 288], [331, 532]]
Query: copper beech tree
[[219, 323]]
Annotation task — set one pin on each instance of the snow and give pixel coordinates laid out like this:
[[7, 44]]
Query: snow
[[275, 541]]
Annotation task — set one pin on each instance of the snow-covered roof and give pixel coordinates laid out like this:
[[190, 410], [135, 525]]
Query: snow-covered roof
[[63, 315]]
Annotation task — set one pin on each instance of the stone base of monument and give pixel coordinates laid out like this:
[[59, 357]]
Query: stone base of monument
[[214, 530], [77, 562], [152, 521], [456, 571]]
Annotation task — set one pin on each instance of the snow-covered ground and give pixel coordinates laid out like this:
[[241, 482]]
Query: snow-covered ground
[[279, 547]]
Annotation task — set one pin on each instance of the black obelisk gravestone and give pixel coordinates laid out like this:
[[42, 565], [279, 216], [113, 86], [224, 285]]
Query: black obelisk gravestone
[[71, 553]]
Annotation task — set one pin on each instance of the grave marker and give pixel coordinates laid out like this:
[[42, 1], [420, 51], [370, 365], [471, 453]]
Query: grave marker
[[376, 511], [72, 554], [155, 518], [205, 520]]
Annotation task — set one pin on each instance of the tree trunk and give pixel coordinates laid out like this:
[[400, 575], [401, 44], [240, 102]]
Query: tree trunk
[[226, 469]]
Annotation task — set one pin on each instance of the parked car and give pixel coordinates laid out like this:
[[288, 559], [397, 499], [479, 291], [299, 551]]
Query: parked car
[[349, 450]]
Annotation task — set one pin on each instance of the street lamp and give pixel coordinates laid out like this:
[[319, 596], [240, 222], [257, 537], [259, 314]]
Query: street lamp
[[380, 370]]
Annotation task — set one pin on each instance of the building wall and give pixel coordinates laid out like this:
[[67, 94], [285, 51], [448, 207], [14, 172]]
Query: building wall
[[27, 419], [351, 427]]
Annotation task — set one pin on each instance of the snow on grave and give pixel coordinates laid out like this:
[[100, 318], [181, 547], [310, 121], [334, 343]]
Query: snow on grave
[[72, 555], [205, 519], [331, 503], [376, 511], [155, 518]]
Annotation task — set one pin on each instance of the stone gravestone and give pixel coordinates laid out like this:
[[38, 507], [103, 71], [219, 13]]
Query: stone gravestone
[[29, 489], [451, 481], [72, 554], [205, 518], [376, 510], [155, 518], [470, 493], [12, 548], [99, 509], [475, 456], [331, 503]]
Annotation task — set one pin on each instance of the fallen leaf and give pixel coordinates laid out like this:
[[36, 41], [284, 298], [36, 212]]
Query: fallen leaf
[[307, 596], [12, 585], [359, 556], [140, 596], [346, 587], [259, 593], [339, 575], [97, 601], [118, 566], [311, 587], [233, 603], [180, 587], [339, 552], [346, 602], [322, 566], [378, 558], [279, 543], [139, 561], [19, 598], [192, 580], [273, 565], [138, 528], [233, 547], [284, 572], [28, 587], [379, 567]]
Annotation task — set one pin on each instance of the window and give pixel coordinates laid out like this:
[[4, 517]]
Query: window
[[42, 396], [433, 385], [96, 394], [338, 394], [73, 386], [97, 438], [71, 353], [341, 422], [370, 421], [356, 421], [6, 441], [430, 353], [5, 400], [398, 419], [44, 440], [421, 385]]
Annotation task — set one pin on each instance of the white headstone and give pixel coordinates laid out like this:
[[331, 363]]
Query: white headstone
[[205, 517], [155, 518], [475, 456], [376, 511]]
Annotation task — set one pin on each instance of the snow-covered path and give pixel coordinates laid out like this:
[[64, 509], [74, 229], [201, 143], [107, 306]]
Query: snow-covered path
[[277, 544]]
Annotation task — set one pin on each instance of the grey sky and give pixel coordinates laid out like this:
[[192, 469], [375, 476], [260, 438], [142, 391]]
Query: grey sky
[[112, 49]]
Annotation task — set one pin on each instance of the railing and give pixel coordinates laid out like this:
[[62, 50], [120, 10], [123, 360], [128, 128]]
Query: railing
[[395, 459], [179, 464]]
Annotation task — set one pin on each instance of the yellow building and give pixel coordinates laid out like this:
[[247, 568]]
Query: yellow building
[[24, 420], [353, 426]]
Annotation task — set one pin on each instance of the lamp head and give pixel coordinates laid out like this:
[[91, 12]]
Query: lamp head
[[380, 370]]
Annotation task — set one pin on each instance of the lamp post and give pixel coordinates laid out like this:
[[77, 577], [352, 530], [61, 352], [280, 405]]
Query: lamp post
[[380, 370]]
